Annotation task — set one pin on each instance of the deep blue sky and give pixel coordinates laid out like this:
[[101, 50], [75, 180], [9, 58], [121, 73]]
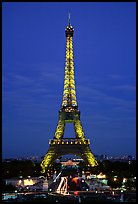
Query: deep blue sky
[[33, 59]]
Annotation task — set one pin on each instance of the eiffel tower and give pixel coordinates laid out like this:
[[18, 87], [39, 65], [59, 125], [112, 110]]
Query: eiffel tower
[[69, 113]]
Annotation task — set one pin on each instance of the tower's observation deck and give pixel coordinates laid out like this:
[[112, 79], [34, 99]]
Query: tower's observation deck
[[69, 31]]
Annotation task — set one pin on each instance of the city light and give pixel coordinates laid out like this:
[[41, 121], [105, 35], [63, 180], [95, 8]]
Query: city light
[[102, 176], [28, 182]]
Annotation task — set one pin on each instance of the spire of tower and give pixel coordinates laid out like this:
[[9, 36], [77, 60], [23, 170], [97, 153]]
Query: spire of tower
[[69, 19], [69, 29]]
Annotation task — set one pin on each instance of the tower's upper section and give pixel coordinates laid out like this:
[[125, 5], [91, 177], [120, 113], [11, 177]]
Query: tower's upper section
[[69, 93]]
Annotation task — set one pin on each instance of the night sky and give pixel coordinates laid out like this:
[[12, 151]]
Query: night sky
[[33, 60]]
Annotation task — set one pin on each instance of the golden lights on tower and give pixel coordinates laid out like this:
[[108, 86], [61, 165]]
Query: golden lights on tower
[[69, 113], [69, 82]]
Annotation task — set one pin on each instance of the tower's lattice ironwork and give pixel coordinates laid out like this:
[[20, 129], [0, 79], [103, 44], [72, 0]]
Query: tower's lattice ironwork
[[69, 113]]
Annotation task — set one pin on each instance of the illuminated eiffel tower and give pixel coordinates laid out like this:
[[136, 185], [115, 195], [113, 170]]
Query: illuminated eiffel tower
[[69, 113]]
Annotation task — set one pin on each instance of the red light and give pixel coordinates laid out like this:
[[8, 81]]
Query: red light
[[76, 193], [75, 179]]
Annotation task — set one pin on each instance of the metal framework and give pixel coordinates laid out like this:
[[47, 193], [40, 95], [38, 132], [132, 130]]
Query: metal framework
[[69, 113]]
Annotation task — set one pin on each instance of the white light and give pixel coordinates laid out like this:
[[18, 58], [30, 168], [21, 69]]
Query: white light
[[20, 181]]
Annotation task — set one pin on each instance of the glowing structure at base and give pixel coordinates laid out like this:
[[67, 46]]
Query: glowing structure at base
[[69, 113], [63, 186]]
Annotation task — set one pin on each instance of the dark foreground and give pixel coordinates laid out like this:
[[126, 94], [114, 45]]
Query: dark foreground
[[84, 197]]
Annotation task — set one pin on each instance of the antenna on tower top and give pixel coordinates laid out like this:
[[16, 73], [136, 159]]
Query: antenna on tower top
[[69, 19]]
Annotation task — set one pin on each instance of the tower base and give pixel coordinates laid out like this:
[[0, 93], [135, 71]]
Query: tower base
[[61, 147]]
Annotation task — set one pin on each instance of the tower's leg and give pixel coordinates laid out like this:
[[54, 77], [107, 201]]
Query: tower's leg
[[60, 129], [51, 156], [87, 154], [48, 159], [79, 130], [89, 157]]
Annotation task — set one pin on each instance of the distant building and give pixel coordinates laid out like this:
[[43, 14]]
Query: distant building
[[69, 163]]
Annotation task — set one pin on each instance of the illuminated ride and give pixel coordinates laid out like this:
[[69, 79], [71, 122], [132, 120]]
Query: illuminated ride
[[69, 113]]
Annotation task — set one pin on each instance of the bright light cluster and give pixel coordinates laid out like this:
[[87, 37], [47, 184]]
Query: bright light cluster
[[60, 129], [90, 158], [47, 160], [28, 182], [78, 130], [69, 93], [69, 141]]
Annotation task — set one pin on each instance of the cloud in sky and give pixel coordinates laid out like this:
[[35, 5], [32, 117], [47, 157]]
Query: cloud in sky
[[98, 95], [125, 87]]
